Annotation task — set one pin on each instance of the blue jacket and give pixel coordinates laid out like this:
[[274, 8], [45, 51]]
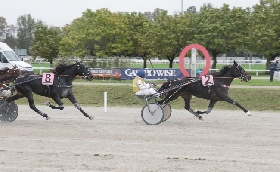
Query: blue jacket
[[277, 66], [272, 67]]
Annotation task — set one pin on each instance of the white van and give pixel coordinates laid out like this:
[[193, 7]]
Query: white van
[[8, 58]]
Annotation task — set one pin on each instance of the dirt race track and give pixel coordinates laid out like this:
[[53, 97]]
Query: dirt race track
[[119, 140]]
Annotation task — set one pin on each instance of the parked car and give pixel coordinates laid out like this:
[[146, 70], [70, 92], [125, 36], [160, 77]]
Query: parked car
[[8, 58]]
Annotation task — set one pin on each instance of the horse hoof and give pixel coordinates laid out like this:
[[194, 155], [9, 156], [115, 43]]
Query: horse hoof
[[47, 118], [200, 118], [47, 103], [249, 113], [91, 117]]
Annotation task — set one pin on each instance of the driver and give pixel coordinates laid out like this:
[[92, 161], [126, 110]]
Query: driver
[[5, 93], [142, 88]]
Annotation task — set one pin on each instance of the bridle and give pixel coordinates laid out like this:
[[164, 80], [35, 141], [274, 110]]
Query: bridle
[[243, 75], [85, 75]]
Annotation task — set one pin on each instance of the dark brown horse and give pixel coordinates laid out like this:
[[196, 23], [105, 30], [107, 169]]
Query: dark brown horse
[[61, 88], [217, 91]]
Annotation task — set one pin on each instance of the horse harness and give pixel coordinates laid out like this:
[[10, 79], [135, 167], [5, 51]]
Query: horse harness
[[242, 76], [178, 87], [59, 85]]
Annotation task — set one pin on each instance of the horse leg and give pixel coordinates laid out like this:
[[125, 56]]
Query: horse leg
[[71, 97], [187, 100], [210, 107], [29, 96], [57, 101], [30, 99], [231, 101], [60, 107]]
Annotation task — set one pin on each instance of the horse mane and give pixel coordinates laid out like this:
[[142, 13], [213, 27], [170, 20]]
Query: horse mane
[[222, 71], [61, 67]]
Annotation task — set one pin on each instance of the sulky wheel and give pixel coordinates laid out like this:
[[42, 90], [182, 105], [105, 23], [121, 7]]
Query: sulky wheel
[[166, 111], [152, 114], [8, 112]]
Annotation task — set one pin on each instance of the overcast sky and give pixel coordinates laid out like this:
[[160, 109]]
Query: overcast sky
[[61, 12]]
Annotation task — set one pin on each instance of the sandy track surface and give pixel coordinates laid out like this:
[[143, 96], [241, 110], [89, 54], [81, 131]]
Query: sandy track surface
[[119, 140]]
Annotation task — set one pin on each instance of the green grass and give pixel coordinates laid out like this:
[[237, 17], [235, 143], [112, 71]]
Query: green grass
[[252, 99], [256, 82], [252, 82], [219, 66], [175, 66]]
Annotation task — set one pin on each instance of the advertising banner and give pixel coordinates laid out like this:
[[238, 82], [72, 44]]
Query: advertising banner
[[152, 74]]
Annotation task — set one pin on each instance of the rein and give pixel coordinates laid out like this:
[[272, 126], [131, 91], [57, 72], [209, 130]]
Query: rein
[[224, 77], [39, 77], [178, 87]]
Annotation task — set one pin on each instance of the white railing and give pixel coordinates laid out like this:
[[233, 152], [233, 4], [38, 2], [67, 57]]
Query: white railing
[[42, 68], [248, 70], [202, 61]]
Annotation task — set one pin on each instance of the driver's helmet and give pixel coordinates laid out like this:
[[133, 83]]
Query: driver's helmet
[[141, 73]]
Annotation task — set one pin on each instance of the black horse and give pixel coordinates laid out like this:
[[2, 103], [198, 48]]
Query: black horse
[[189, 87], [62, 87]]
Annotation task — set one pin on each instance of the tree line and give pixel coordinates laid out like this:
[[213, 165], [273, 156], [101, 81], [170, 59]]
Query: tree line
[[102, 33]]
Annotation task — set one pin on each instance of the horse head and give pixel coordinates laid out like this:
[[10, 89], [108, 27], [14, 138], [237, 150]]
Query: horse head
[[14, 71], [84, 71], [240, 72]]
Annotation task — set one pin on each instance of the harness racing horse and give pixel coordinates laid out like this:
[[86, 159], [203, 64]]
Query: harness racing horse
[[61, 87], [215, 91]]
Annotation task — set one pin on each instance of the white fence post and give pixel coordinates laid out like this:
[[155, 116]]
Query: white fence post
[[105, 101], [193, 63]]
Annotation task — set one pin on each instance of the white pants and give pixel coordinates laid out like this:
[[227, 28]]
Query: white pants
[[149, 91], [277, 75], [6, 93]]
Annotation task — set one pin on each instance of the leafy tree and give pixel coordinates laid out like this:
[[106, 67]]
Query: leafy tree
[[46, 42], [265, 29], [3, 25], [222, 30], [10, 38], [169, 31], [191, 9], [8, 33], [99, 33], [103, 34], [25, 25], [141, 36]]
